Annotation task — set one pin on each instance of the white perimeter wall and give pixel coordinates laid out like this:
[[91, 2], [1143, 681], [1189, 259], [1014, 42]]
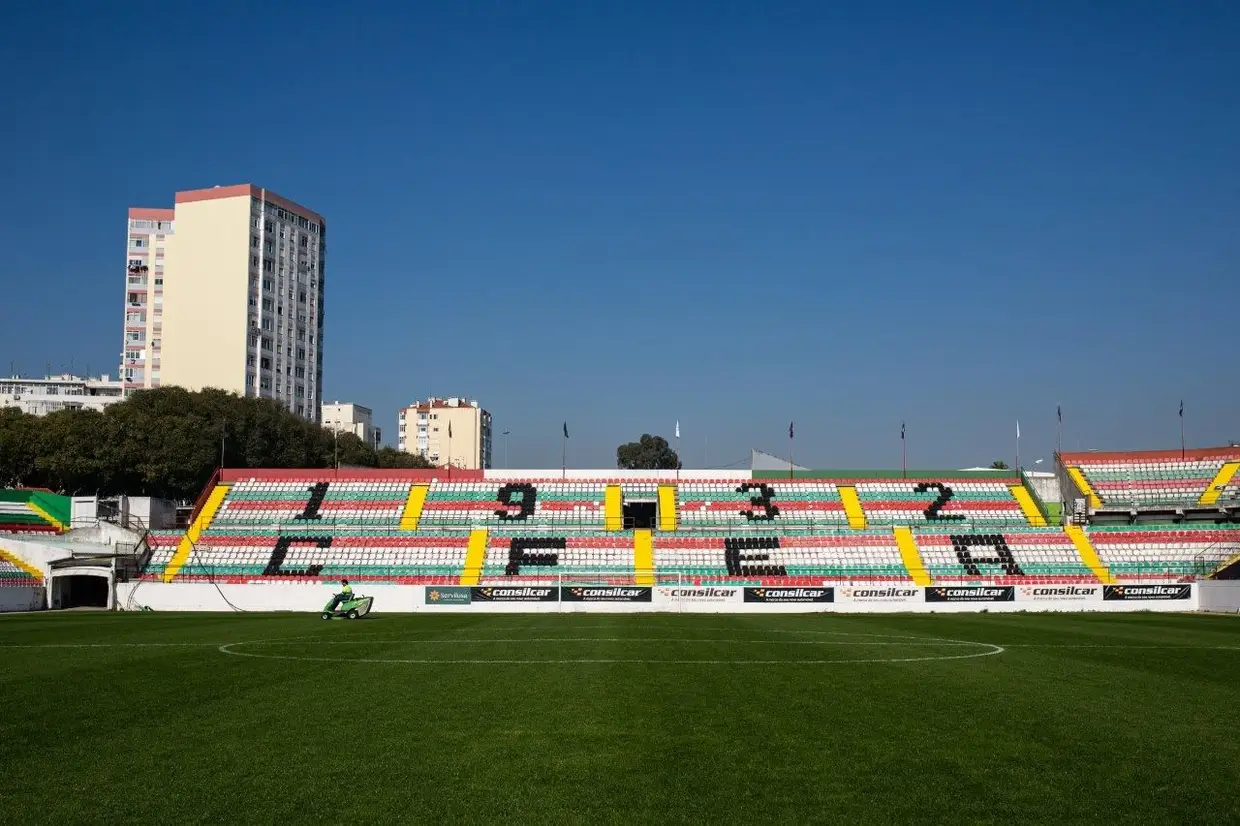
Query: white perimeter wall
[[1219, 596], [25, 598], [195, 596]]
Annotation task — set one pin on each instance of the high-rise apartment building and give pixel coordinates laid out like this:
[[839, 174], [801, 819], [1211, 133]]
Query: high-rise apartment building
[[343, 417], [446, 431], [242, 297], [145, 254]]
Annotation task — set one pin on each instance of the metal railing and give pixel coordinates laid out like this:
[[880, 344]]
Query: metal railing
[[784, 525]]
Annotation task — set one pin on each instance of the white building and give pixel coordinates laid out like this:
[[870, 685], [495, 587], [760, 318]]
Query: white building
[[149, 230], [343, 417], [451, 431], [234, 302], [42, 396]]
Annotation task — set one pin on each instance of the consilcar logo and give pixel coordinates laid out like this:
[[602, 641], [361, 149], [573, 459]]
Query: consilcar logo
[[605, 594], [1122, 592], [528, 593], [789, 595], [878, 593], [1058, 592], [704, 593], [1006, 593]]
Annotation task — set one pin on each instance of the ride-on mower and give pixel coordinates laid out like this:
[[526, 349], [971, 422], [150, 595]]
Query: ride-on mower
[[358, 606]]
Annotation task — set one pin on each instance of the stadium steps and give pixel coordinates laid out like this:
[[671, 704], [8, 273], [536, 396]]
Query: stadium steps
[[911, 555], [1228, 570], [852, 507], [413, 507], [22, 564], [1028, 507], [1224, 475], [1084, 487], [186, 546], [1089, 556], [643, 557], [475, 557], [47, 517], [668, 508], [613, 508]]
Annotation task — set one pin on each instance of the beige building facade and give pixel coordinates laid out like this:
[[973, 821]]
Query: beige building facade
[[451, 431], [344, 417], [242, 297]]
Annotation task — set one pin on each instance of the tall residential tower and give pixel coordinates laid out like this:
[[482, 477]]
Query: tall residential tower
[[242, 298]]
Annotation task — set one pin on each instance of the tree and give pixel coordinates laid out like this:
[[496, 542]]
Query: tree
[[17, 447], [167, 442], [647, 453], [390, 457], [998, 464]]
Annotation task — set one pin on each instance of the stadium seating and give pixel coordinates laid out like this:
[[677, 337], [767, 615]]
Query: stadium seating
[[34, 511], [923, 501], [13, 573], [711, 557], [414, 527], [1163, 552], [715, 503], [1030, 554], [1158, 479], [556, 503]]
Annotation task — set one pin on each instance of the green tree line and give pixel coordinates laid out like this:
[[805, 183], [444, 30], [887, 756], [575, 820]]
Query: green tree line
[[166, 442]]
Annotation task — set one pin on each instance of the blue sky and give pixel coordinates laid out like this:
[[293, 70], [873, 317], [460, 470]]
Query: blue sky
[[731, 214]]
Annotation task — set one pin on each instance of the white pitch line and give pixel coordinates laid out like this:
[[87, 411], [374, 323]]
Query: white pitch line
[[991, 650]]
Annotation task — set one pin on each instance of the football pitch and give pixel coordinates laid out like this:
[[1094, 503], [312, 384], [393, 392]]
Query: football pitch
[[587, 718]]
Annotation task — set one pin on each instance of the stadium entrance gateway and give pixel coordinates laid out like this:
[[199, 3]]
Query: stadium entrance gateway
[[641, 515]]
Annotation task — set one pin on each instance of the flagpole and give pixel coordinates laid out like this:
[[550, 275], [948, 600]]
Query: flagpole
[[1018, 447], [1059, 430], [791, 464], [564, 454], [903, 453], [1182, 451]]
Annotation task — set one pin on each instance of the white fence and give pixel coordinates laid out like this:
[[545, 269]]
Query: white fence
[[564, 598]]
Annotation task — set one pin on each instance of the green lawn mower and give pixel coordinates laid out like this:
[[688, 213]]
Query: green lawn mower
[[353, 608]]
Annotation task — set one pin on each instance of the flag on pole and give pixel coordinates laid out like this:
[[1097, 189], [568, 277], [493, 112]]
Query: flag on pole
[[1018, 428], [789, 430], [901, 431], [566, 430], [678, 428], [1059, 413], [449, 430], [1181, 408]]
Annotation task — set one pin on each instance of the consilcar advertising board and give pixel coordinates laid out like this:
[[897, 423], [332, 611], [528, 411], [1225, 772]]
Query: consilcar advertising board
[[1058, 593], [786, 595], [609, 593], [884, 595], [696, 595], [971, 593], [1144, 592], [520, 593]]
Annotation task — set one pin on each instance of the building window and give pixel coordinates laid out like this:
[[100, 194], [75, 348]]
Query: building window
[[268, 265], [254, 242]]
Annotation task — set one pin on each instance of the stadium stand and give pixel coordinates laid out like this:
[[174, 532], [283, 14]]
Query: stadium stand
[[14, 572], [1156, 479], [421, 527], [34, 511]]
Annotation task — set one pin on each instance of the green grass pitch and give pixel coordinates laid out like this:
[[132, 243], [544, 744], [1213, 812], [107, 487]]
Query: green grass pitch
[[589, 718]]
